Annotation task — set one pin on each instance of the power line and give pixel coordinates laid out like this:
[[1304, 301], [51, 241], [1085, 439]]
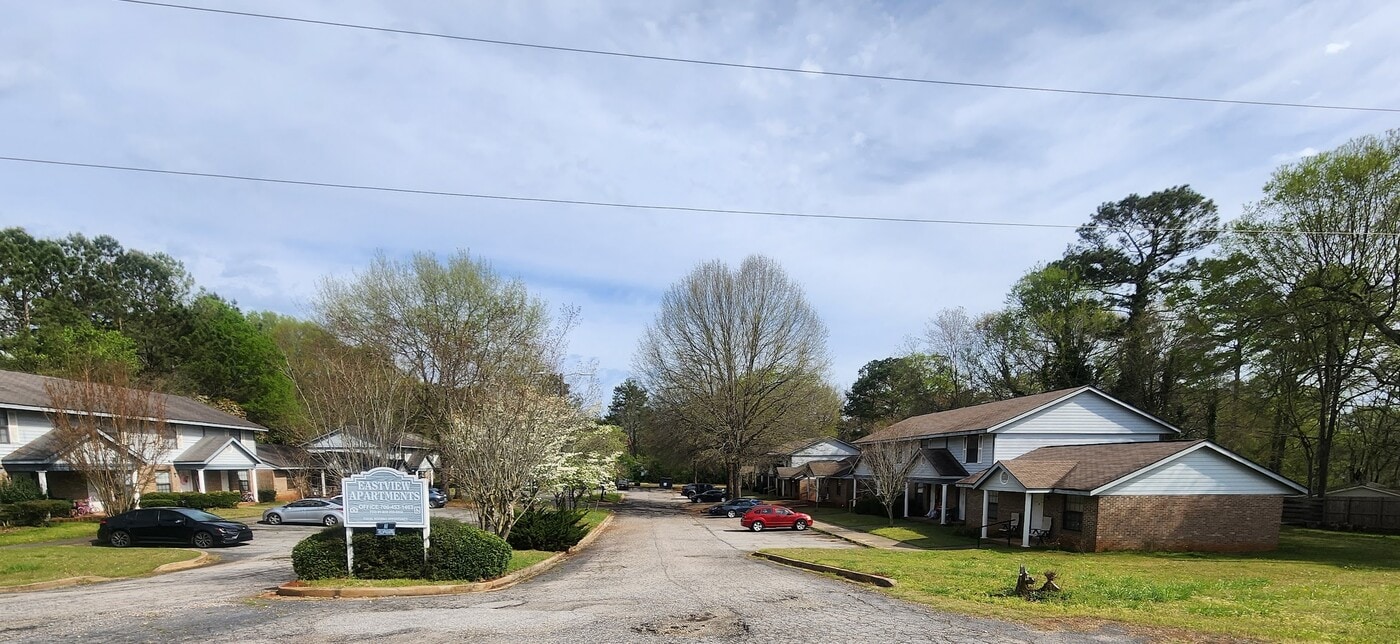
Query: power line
[[769, 68], [653, 207]]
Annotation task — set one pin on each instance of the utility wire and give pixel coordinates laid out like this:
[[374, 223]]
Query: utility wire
[[660, 207], [769, 68]]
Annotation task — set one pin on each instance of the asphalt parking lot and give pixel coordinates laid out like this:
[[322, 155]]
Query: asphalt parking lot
[[661, 573]]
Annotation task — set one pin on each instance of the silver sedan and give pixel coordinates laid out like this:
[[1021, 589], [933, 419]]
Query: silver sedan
[[322, 511]]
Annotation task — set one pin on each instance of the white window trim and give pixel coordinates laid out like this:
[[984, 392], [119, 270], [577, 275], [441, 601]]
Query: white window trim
[[11, 427]]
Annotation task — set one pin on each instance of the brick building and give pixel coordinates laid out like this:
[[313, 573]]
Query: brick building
[[1169, 495]]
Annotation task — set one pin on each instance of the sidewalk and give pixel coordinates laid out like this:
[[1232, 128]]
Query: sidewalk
[[863, 538]]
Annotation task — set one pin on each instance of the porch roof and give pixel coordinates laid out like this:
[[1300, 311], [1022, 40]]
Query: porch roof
[[789, 472], [218, 452]]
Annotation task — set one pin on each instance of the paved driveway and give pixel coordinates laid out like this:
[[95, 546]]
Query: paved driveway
[[660, 574]]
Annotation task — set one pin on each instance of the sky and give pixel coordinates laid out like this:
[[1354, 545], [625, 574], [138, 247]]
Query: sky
[[107, 82]]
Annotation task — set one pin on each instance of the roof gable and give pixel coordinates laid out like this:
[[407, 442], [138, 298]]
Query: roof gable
[[965, 419], [206, 450]]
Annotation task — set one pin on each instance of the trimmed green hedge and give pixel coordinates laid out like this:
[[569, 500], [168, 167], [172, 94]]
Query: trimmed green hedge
[[456, 552], [34, 512], [459, 551], [198, 500], [15, 490], [554, 530]]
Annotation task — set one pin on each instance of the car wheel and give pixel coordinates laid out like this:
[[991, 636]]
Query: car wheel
[[757, 526], [274, 519], [799, 525], [331, 519], [203, 539], [119, 538], [731, 514]]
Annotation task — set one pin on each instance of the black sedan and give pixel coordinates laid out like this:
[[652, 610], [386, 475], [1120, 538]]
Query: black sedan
[[709, 496], [735, 508], [178, 526]]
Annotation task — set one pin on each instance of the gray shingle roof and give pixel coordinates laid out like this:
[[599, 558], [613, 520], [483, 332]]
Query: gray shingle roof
[[1084, 467], [27, 390], [966, 419], [207, 448], [943, 462]]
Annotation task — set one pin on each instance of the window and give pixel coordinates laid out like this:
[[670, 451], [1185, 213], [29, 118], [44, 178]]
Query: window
[[1074, 513], [5, 422], [169, 438], [970, 449], [992, 498], [243, 481], [163, 481]]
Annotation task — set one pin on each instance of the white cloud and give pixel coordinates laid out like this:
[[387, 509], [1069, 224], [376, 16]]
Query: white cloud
[[1337, 47], [1289, 157], [302, 102]]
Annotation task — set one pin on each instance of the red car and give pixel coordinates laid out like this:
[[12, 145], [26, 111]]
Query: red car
[[774, 516]]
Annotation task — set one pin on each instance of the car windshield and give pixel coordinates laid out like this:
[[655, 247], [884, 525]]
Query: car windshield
[[200, 515]]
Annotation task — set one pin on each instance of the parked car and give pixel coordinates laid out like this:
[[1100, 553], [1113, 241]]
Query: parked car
[[436, 498], [181, 526], [733, 508], [624, 484], [691, 489], [322, 511], [760, 517], [711, 495]]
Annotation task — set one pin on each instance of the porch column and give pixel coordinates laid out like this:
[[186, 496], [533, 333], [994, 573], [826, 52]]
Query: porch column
[[136, 487], [985, 519], [200, 473], [323, 482], [906, 499], [962, 504], [44, 482], [1026, 523], [253, 483], [943, 516]]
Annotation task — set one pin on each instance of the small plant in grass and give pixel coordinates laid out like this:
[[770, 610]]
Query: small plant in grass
[[554, 530]]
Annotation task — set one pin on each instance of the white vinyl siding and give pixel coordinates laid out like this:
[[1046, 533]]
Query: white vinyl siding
[[823, 451], [1009, 446], [1203, 471], [230, 456], [1011, 484], [23, 426], [1086, 413]]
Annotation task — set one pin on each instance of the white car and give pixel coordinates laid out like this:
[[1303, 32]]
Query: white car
[[322, 511]]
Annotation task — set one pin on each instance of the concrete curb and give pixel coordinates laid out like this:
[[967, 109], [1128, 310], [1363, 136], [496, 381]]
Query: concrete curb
[[290, 589], [839, 536], [204, 559], [864, 578]]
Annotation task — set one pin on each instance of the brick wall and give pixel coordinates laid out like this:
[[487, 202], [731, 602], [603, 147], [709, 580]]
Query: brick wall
[[1221, 523]]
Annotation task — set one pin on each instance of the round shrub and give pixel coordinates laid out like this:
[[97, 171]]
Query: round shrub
[[460, 551], [321, 555], [396, 557]]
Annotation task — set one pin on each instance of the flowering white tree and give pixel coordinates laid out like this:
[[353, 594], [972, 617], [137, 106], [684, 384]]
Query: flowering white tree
[[509, 447], [588, 463]]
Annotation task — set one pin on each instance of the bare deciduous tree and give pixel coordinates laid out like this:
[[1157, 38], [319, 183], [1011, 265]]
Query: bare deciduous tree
[[110, 433], [890, 463], [735, 360]]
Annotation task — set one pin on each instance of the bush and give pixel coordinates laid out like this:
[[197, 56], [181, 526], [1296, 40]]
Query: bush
[[34, 513], [321, 555], [396, 557], [457, 552], [267, 496], [460, 551], [15, 490], [872, 505], [160, 500], [197, 500], [554, 530]]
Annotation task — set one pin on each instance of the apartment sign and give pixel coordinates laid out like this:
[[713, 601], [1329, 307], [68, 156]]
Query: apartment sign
[[385, 495]]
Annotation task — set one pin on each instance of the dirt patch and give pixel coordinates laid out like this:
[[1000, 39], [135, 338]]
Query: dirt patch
[[695, 625]]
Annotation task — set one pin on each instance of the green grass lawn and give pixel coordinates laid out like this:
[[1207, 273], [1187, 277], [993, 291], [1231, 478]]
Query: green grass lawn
[[55, 532], [525, 558], [19, 566], [1317, 586], [245, 512], [594, 518], [915, 533]]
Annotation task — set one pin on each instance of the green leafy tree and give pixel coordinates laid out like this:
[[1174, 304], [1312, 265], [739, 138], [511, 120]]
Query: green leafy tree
[[227, 356], [630, 411], [892, 389], [1132, 251]]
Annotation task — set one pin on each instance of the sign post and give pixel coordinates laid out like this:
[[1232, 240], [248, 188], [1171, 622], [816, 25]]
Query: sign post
[[385, 499]]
